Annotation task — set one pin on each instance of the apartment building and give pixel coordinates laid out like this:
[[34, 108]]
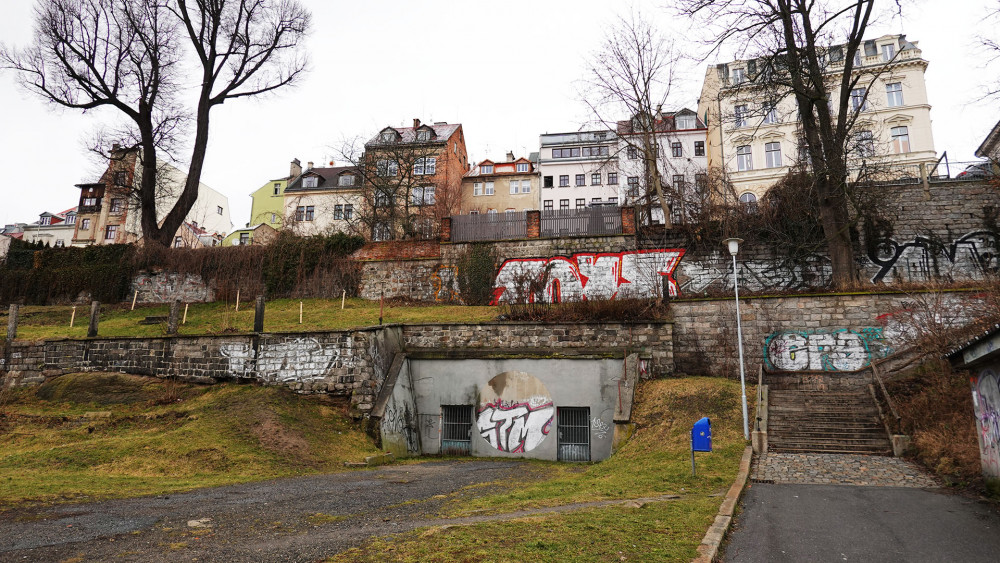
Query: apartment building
[[323, 200], [501, 186], [754, 134], [54, 229], [578, 169]]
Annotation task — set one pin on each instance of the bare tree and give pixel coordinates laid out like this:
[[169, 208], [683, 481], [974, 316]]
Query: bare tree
[[631, 76], [796, 39], [991, 46], [132, 56]]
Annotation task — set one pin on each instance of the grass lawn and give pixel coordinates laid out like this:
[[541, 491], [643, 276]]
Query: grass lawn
[[281, 315], [162, 436], [656, 461]]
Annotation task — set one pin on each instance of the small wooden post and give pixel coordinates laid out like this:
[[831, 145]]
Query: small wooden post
[[175, 309], [12, 316], [134, 297], [72, 317], [237, 299], [300, 312], [95, 317], [183, 322], [343, 297], [258, 315]]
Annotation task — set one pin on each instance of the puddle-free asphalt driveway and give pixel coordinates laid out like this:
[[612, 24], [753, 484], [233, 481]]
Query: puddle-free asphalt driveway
[[796, 522], [299, 519]]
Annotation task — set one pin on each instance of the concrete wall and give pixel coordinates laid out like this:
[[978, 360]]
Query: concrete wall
[[986, 403], [166, 287]]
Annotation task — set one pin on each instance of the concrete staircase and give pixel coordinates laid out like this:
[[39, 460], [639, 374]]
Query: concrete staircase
[[832, 421]]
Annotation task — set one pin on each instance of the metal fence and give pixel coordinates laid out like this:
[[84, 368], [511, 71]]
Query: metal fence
[[489, 226], [598, 220], [963, 171]]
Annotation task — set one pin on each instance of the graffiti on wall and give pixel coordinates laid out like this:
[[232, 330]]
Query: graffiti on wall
[[986, 403], [755, 275], [515, 412], [971, 256], [298, 359], [824, 350], [164, 287], [600, 428], [445, 282], [637, 273]]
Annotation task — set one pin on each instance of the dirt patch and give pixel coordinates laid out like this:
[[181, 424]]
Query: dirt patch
[[277, 437], [101, 389]]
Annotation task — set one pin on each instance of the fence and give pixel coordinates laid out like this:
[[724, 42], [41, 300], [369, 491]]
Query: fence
[[600, 220], [967, 171], [489, 226]]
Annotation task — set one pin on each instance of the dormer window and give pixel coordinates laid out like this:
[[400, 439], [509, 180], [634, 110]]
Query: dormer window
[[310, 182], [423, 135], [485, 168], [739, 76], [685, 122], [522, 166], [45, 220], [71, 219], [346, 180], [888, 52], [388, 136]]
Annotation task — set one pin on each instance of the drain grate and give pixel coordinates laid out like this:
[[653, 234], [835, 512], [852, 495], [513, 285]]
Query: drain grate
[[765, 481]]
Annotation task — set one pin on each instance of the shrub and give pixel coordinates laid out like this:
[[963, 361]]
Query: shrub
[[476, 273]]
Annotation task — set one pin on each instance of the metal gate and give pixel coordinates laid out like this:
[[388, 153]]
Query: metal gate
[[573, 424], [456, 429]]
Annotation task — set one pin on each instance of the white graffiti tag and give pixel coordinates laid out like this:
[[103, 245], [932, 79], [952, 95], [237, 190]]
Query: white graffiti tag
[[836, 350], [600, 428], [515, 427], [299, 359]]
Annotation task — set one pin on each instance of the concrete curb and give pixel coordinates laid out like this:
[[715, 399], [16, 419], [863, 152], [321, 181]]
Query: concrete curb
[[709, 547]]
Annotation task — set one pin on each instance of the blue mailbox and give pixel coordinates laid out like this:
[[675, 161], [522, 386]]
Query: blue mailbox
[[701, 436]]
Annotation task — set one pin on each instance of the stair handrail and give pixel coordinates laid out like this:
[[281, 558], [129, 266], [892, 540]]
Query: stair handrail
[[888, 399], [760, 394]]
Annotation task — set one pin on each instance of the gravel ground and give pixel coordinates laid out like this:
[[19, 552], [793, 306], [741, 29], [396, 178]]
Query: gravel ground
[[839, 469], [299, 519]]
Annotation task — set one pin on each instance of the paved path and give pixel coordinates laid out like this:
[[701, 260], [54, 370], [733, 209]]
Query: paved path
[[881, 514]]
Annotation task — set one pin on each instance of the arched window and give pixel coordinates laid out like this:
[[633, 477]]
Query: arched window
[[750, 201]]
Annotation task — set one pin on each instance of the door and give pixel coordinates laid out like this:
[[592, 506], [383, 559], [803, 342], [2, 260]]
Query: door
[[456, 429], [573, 425]]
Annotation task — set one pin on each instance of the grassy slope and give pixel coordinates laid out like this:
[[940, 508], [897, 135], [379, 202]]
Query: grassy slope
[[38, 322], [655, 461], [162, 437]]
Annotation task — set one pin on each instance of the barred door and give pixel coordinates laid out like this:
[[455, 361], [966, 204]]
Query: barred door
[[573, 424], [456, 429]]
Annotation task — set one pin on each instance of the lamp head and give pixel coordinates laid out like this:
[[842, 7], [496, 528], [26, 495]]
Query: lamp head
[[733, 244]]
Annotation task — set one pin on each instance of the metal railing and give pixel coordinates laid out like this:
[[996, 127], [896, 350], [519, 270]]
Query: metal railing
[[968, 171], [760, 397], [598, 220], [489, 226]]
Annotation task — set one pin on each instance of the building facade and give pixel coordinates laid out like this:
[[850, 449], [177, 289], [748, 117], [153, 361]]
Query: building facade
[[578, 169], [754, 131], [323, 200], [54, 229], [498, 187]]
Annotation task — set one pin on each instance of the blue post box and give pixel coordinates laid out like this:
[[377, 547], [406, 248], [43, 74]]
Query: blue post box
[[701, 436]]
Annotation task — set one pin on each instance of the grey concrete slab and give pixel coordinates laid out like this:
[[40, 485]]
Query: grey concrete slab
[[784, 522]]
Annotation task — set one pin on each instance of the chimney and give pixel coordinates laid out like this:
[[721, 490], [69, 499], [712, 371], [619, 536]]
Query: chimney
[[115, 147], [510, 156], [416, 123], [296, 169], [309, 165]]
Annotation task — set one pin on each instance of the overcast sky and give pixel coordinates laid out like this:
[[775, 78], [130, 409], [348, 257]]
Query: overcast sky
[[506, 70]]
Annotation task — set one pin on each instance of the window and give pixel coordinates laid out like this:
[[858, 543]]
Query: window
[[489, 188], [179, 242], [866, 143], [425, 166], [474, 212], [338, 211], [749, 200], [613, 200], [547, 206], [89, 202], [348, 211], [60, 243], [522, 167], [547, 182], [85, 225], [566, 153], [678, 181], [684, 122], [424, 135], [111, 232], [510, 210], [117, 204], [244, 238], [595, 201], [900, 139], [310, 212], [381, 231], [772, 155], [744, 158], [676, 150], [888, 52], [515, 187], [491, 211], [119, 178], [387, 168], [525, 186], [612, 178], [383, 198], [45, 220], [699, 148], [310, 182], [632, 152], [894, 93], [701, 180], [388, 136], [595, 151], [71, 219], [858, 99], [633, 187], [581, 203], [277, 189], [581, 179], [595, 179], [345, 180], [563, 204], [857, 58], [739, 76], [741, 113], [770, 112], [274, 218], [423, 195], [477, 189], [564, 181]]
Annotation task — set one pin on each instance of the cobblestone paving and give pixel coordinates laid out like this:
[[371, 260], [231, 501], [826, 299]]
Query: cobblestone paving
[[839, 469]]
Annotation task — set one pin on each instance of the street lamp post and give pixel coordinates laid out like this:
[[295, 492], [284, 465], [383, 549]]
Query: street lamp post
[[734, 248]]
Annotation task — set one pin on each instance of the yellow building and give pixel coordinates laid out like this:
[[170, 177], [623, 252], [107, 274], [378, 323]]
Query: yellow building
[[499, 187], [756, 139]]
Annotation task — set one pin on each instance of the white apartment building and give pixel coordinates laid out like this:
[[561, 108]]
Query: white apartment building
[[756, 139], [322, 201], [54, 229], [682, 161], [578, 169]]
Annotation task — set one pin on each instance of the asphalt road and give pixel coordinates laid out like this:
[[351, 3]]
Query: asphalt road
[[850, 523], [299, 519]]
